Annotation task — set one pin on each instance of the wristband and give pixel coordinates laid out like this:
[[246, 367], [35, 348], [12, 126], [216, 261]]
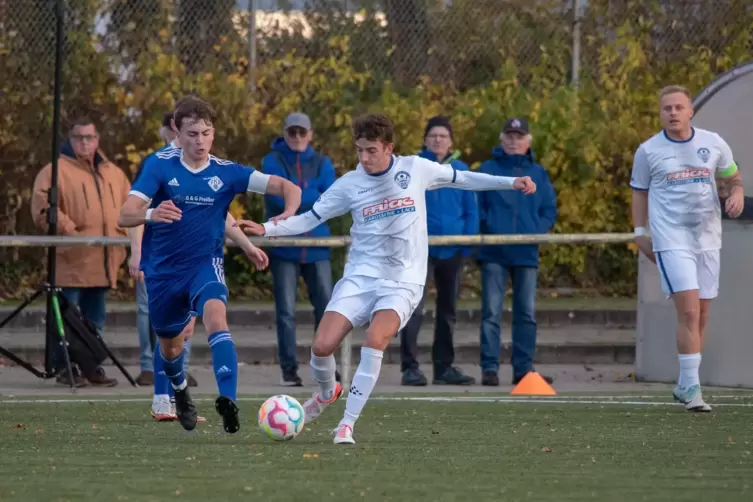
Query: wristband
[[640, 231], [148, 215]]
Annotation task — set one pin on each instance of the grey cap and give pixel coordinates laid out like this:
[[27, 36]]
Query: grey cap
[[298, 120]]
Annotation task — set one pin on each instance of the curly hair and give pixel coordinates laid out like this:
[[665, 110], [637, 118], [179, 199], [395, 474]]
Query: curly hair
[[373, 127]]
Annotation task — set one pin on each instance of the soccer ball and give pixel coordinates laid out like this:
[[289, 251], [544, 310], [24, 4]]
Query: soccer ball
[[281, 417]]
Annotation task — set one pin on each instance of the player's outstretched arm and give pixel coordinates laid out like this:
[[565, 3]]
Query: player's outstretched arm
[[289, 191], [296, 225], [335, 201], [443, 175], [466, 180], [136, 212]]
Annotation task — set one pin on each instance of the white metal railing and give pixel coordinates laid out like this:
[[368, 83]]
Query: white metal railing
[[336, 242]]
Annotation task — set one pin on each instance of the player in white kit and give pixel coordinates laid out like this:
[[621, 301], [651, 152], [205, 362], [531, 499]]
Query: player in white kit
[[677, 177], [385, 272]]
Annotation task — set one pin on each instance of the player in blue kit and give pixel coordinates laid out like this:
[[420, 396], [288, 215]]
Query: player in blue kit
[[184, 270]]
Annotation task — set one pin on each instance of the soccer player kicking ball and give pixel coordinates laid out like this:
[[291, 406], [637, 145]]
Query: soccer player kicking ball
[[674, 180], [183, 270], [385, 272]]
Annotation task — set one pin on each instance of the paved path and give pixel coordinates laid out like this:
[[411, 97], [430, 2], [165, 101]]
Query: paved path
[[254, 379], [576, 344]]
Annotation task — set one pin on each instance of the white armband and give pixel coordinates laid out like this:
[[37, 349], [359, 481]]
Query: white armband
[[639, 231], [148, 215], [257, 182]]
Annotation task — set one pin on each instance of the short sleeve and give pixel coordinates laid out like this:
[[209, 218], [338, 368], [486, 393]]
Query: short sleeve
[[247, 179], [640, 178], [725, 166], [148, 181], [334, 202]]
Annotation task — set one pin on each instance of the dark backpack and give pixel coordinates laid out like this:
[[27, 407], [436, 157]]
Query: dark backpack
[[85, 345]]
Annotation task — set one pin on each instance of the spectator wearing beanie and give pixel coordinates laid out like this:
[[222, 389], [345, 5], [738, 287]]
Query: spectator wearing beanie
[[449, 211]]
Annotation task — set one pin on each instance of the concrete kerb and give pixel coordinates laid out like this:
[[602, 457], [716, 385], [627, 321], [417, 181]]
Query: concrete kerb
[[33, 317]]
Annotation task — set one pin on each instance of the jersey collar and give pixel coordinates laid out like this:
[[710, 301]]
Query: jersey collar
[[392, 162], [191, 169], [692, 135]]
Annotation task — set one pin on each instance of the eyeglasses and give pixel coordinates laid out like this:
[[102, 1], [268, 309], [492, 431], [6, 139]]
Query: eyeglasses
[[296, 131], [84, 137]]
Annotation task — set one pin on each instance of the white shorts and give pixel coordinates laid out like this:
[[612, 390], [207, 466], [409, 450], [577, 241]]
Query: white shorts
[[359, 297], [682, 270]]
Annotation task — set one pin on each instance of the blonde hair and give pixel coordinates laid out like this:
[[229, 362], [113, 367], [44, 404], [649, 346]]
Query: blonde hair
[[673, 89]]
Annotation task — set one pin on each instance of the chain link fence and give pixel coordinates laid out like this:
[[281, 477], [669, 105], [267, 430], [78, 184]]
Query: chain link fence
[[465, 42]]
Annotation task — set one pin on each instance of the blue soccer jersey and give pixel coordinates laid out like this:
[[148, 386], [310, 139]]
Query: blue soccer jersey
[[203, 195], [147, 228]]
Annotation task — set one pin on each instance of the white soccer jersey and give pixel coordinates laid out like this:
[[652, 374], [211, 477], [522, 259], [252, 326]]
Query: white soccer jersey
[[389, 235], [684, 210]]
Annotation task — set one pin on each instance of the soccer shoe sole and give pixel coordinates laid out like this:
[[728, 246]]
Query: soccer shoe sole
[[698, 406], [311, 418], [228, 410], [185, 410]]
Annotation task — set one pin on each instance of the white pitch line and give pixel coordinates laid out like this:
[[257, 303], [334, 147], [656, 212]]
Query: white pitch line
[[628, 401]]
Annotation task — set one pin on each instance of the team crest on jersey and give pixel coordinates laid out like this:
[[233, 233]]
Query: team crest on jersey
[[402, 179], [704, 154], [215, 183]]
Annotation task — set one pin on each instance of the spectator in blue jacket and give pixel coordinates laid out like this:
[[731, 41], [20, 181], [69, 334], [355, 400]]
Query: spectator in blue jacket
[[449, 211], [293, 158], [508, 212]]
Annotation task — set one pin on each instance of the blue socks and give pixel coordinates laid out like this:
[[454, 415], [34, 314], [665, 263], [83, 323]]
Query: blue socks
[[162, 385], [174, 371], [225, 362]]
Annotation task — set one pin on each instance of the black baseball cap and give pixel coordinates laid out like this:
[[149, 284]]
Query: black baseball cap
[[516, 124]]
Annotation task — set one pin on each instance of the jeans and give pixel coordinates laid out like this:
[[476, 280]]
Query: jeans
[[147, 335], [91, 302], [318, 278], [524, 283], [447, 280]]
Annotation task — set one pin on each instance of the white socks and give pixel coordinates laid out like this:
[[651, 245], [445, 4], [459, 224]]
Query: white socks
[[323, 370], [363, 383], [689, 364]]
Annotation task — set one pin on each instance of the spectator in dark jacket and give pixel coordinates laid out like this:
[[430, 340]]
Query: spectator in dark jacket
[[449, 211], [293, 158], [508, 212]]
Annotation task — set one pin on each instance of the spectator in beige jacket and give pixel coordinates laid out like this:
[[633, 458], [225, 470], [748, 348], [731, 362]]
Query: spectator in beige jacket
[[91, 191]]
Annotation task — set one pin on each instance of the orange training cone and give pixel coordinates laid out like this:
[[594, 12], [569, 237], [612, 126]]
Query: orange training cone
[[533, 385]]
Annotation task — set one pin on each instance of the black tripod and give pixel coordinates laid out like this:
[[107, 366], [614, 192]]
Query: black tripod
[[55, 329]]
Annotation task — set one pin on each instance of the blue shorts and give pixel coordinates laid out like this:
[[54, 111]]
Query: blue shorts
[[174, 300]]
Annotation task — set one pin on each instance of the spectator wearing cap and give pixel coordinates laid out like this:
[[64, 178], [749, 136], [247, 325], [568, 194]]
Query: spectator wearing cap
[[510, 212], [293, 158], [449, 211]]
